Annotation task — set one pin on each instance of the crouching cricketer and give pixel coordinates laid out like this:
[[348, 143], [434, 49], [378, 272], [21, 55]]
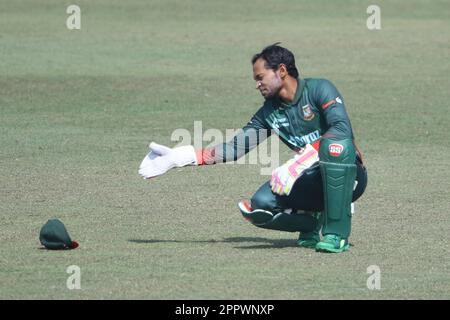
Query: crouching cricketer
[[315, 190]]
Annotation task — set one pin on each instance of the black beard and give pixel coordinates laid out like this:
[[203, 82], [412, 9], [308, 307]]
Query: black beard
[[272, 94]]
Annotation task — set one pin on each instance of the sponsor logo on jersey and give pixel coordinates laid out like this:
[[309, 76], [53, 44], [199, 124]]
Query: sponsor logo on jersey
[[279, 122], [308, 114], [335, 149], [301, 141]]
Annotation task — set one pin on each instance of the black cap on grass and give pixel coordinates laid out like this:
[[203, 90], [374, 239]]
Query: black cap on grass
[[54, 236]]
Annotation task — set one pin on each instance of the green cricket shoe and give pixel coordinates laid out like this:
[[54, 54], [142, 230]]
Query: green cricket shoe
[[332, 243], [308, 239]]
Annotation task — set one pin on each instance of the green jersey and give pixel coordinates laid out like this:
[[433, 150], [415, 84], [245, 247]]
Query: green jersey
[[316, 111]]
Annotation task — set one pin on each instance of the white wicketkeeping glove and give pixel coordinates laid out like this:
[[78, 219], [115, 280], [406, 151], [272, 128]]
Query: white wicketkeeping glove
[[284, 177], [160, 159]]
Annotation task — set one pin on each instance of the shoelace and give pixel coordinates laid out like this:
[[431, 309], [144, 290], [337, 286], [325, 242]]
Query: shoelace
[[334, 238]]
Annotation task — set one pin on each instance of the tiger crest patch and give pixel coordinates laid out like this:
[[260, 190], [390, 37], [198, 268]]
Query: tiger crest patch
[[308, 114]]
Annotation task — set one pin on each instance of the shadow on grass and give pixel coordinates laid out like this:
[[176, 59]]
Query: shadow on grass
[[265, 243]]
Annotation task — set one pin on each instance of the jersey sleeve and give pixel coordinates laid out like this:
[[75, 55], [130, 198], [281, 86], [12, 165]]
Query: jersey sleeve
[[332, 107], [246, 139]]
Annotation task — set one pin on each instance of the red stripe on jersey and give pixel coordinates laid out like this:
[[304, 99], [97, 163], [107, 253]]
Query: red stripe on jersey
[[326, 105]]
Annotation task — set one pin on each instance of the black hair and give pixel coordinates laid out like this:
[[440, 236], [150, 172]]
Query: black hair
[[274, 55]]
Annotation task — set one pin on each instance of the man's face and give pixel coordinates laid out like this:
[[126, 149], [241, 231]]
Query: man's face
[[268, 82]]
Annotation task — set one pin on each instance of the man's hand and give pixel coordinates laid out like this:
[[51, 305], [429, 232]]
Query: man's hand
[[283, 177], [160, 159]]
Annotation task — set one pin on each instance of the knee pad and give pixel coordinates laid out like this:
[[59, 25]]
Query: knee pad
[[263, 199], [281, 221]]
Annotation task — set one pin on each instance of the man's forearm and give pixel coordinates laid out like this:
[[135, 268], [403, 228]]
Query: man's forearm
[[241, 144]]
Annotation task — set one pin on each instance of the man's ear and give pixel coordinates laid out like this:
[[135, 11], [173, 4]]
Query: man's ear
[[282, 70]]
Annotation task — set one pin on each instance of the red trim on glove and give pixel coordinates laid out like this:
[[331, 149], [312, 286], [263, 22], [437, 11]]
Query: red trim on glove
[[199, 156], [316, 144]]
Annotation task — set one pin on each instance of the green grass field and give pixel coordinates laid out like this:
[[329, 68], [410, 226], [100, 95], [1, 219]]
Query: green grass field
[[79, 107]]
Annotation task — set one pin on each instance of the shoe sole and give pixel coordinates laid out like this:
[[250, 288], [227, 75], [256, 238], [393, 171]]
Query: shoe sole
[[307, 245], [332, 250]]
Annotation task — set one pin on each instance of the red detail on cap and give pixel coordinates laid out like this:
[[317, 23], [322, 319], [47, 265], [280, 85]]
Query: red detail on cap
[[326, 105], [335, 149], [74, 245]]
